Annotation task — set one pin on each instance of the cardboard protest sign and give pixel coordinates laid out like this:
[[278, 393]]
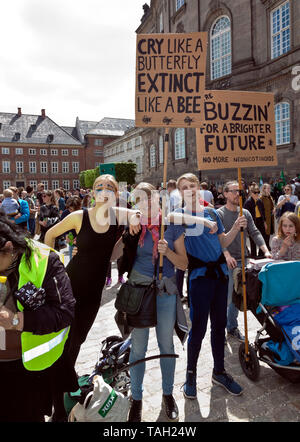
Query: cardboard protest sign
[[170, 79], [238, 130]]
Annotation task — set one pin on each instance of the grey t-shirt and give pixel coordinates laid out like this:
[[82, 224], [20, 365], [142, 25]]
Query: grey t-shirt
[[228, 218]]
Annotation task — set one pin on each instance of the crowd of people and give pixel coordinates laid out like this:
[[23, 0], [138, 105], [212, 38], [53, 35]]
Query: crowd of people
[[106, 224]]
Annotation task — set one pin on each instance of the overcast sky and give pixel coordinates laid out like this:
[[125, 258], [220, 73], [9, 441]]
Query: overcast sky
[[70, 57]]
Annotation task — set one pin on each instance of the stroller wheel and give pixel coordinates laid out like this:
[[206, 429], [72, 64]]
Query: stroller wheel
[[251, 366]]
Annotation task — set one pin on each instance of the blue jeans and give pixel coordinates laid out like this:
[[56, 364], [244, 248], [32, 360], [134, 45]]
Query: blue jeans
[[232, 310], [166, 316], [208, 297]]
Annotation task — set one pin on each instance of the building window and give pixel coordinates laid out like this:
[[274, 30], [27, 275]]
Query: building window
[[43, 151], [98, 143], [19, 150], [220, 48], [179, 144], [161, 22], [139, 168], [98, 153], [32, 166], [65, 152], [6, 166], [75, 167], [54, 152], [179, 3], [44, 166], [33, 183], [32, 151], [280, 30], [282, 120], [5, 150], [138, 141], [6, 184], [152, 156], [55, 184], [66, 184], [65, 167], [75, 152], [19, 167], [76, 184], [54, 167], [45, 183], [161, 149]]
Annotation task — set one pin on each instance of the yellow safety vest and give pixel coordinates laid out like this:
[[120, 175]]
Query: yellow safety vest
[[39, 351]]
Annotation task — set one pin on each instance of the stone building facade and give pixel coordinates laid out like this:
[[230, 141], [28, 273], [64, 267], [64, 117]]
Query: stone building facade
[[253, 45]]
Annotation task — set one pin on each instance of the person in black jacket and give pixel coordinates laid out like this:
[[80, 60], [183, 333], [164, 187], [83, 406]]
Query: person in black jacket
[[28, 395], [257, 210]]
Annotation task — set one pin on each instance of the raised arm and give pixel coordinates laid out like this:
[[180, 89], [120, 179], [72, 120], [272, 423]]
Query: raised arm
[[72, 221]]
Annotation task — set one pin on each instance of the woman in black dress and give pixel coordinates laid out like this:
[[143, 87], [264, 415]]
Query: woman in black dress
[[96, 230]]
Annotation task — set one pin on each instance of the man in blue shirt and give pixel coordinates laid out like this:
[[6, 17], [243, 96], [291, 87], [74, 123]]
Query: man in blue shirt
[[22, 220], [208, 282]]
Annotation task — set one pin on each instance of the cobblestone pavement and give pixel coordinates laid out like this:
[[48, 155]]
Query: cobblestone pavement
[[270, 399]]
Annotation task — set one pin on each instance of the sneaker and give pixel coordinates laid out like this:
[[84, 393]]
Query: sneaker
[[226, 381], [121, 280], [171, 408], [190, 386], [108, 282], [235, 333]]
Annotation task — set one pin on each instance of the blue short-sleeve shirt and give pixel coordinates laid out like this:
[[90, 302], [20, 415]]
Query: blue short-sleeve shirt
[[143, 261], [202, 244]]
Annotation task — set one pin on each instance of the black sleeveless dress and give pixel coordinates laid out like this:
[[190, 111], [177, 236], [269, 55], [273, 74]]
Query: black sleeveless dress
[[87, 271]]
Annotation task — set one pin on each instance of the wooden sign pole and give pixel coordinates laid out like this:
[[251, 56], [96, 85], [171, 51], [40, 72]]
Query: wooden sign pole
[[163, 209], [243, 268]]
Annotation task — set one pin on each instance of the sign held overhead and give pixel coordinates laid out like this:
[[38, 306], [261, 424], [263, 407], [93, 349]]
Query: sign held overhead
[[170, 79], [238, 130]]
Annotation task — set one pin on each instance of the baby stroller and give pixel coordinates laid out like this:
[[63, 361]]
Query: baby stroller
[[273, 297]]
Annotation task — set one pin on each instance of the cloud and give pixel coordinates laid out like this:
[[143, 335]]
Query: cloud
[[73, 57]]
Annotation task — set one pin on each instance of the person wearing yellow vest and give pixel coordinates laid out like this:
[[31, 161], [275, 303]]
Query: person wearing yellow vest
[[257, 210], [32, 336]]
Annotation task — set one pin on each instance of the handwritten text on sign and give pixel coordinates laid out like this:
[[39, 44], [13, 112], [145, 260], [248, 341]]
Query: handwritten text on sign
[[239, 130], [170, 79]]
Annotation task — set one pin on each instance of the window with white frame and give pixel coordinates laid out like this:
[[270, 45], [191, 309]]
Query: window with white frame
[[19, 150], [139, 168], [66, 184], [6, 184], [55, 184], [54, 167], [54, 152], [179, 144], [6, 166], [179, 3], [43, 166], [152, 156], [32, 166], [220, 48], [65, 152], [33, 183], [75, 152], [280, 30], [5, 150], [45, 183], [76, 184], [32, 151], [43, 151], [98, 142], [98, 153], [75, 167], [161, 149], [19, 167], [65, 167], [283, 126]]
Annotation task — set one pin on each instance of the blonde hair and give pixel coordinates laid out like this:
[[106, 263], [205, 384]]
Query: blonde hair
[[294, 219], [7, 193], [189, 177], [107, 177]]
